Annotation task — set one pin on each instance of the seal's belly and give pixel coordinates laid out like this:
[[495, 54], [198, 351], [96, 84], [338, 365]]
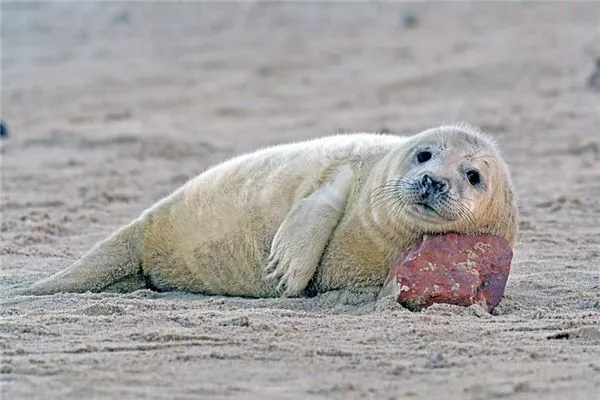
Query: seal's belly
[[224, 266], [206, 253]]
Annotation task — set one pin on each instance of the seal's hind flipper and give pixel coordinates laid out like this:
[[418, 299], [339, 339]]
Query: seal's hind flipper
[[112, 265]]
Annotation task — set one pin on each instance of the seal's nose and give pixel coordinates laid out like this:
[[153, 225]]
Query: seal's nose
[[433, 184]]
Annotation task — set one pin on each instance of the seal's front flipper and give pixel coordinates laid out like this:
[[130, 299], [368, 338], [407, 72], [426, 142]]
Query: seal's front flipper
[[112, 265], [301, 239]]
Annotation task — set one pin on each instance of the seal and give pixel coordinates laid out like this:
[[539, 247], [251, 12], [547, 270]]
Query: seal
[[305, 218]]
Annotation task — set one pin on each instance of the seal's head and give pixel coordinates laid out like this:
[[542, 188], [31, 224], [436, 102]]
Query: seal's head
[[448, 179]]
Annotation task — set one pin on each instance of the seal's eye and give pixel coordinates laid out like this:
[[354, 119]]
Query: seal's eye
[[473, 177], [423, 156]]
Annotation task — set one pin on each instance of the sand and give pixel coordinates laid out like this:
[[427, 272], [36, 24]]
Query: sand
[[113, 105]]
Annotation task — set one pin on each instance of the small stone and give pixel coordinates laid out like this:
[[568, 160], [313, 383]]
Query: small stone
[[451, 268], [121, 17], [593, 80], [409, 20], [4, 133]]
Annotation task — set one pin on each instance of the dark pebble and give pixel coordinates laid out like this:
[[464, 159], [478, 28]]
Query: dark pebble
[[3, 130], [593, 80], [409, 20]]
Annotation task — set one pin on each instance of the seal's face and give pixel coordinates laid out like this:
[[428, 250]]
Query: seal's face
[[445, 180], [451, 180]]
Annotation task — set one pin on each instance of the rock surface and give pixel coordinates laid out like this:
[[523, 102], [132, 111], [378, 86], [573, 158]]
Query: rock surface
[[451, 268]]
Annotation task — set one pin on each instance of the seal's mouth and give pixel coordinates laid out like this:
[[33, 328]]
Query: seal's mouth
[[427, 208], [433, 214]]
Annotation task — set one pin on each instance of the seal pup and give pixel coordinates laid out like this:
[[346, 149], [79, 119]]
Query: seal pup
[[305, 217]]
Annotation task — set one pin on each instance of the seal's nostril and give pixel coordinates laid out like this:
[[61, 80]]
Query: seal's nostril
[[439, 185], [426, 181]]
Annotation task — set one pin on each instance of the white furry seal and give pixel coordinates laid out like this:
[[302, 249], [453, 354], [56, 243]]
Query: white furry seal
[[324, 214]]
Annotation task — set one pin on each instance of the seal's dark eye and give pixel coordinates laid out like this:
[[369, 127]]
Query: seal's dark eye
[[423, 156], [473, 177]]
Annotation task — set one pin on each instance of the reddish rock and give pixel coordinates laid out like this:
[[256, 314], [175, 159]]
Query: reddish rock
[[451, 268]]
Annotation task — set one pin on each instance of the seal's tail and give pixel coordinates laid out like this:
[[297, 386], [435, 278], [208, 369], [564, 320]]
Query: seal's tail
[[113, 265]]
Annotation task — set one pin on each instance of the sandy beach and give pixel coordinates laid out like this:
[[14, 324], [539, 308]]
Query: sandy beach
[[112, 106]]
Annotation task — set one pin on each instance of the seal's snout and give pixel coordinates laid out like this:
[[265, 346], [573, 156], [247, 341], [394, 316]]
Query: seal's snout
[[433, 184]]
